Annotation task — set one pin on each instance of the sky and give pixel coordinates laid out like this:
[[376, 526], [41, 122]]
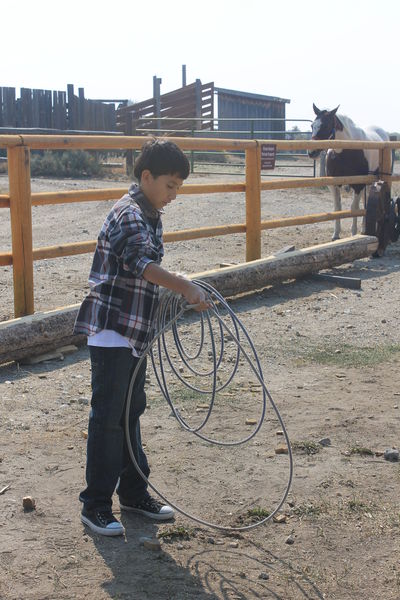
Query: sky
[[329, 52]]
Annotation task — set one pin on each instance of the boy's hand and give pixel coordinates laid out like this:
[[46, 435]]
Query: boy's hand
[[194, 294]]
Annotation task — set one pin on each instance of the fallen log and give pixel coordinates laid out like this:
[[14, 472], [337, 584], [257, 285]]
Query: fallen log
[[45, 331], [257, 274]]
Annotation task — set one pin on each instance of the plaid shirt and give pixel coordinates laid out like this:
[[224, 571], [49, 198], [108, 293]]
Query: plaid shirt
[[120, 298]]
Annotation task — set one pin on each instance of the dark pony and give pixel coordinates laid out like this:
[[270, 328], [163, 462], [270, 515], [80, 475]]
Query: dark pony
[[340, 163]]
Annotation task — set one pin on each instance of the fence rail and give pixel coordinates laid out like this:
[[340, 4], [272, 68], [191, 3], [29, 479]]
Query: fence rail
[[20, 200]]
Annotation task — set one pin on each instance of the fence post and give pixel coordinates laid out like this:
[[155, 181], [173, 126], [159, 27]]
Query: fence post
[[385, 165], [129, 130], [21, 229], [253, 203], [192, 156]]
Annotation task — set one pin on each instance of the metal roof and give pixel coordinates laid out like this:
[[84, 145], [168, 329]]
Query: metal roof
[[250, 96]]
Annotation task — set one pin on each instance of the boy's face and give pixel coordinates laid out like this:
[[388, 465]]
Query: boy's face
[[160, 190]]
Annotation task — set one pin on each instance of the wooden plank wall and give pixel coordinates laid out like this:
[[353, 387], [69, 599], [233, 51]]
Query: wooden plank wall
[[55, 110], [183, 105]]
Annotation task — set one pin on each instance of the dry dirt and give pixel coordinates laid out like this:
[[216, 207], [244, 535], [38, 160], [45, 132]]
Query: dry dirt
[[331, 359]]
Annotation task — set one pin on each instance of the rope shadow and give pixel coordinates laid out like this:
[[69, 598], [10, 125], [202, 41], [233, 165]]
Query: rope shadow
[[254, 578]]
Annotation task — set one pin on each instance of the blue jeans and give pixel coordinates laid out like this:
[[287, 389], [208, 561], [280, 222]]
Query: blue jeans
[[108, 458]]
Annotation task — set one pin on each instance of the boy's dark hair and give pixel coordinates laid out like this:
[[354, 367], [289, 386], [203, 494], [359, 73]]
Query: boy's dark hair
[[161, 157]]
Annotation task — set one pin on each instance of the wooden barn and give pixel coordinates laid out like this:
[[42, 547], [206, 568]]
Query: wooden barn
[[247, 115]]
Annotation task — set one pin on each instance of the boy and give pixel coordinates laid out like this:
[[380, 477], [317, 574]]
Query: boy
[[116, 316]]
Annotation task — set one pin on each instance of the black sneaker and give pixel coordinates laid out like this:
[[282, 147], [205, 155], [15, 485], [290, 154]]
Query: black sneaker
[[149, 507], [102, 522]]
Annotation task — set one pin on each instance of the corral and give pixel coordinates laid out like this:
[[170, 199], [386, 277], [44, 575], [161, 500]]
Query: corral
[[330, 357]]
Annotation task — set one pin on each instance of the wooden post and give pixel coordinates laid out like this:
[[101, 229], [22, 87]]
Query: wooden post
[[253, 203], [198, 101], [81, 124], [130, 129], [157, 81], [71, 107], [385, 165], [21, 229]]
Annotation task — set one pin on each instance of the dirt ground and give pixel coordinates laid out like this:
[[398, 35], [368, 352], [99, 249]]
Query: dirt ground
[[330, 358]]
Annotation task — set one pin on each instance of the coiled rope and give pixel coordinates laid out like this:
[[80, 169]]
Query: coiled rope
[[170, 310]]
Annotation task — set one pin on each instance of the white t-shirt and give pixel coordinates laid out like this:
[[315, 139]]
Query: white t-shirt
[[108, 338]]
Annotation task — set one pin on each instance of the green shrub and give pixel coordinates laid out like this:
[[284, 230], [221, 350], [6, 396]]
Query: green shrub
[[73, 163]]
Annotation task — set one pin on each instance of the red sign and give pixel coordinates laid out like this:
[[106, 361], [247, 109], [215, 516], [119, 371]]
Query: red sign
[[268, 155]]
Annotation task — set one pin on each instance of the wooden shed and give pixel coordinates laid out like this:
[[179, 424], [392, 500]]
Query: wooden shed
[[247, 115]]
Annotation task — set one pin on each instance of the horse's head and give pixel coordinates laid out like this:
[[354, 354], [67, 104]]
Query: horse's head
[[323, 127]]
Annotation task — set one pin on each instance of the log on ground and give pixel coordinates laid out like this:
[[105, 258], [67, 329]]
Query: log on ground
[[257, 274], [35, 334]]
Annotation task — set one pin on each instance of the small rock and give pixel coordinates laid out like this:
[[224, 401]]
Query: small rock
[[289, 540], [211, 540], [242, 575], [233, 544], [281, 450], [150, 543], [28, 503], [179, 546], [251, 421], [84, 434], [391, 454], [325, 442], [280, 518], [263, 576], [279, 432]]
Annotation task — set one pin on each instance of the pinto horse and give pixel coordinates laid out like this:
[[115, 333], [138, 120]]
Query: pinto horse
[[340, 163]]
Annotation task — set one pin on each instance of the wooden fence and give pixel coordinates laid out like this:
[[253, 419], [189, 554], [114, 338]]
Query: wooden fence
[[20, 200], [191, 101], [55, 110]]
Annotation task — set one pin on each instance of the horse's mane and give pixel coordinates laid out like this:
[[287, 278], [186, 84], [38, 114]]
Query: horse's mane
[[353, 131]]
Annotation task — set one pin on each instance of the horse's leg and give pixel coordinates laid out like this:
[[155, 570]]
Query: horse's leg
[[355, 205], [337, 205], [365, 192]]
